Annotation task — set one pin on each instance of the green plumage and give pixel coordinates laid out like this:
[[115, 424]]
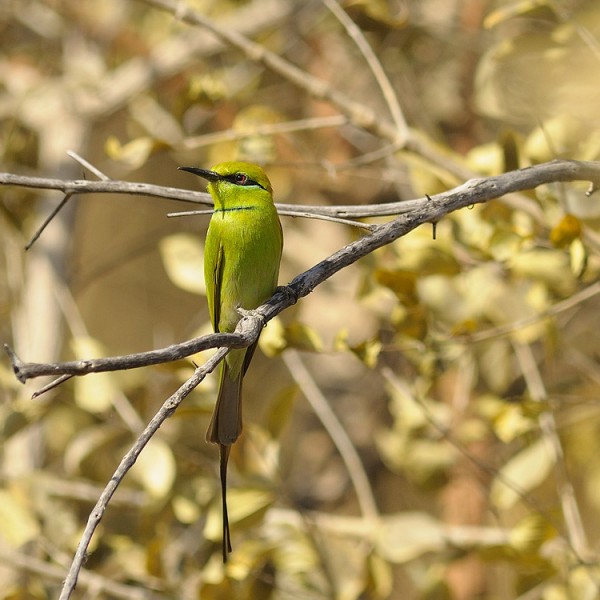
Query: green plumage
[[241, 266]]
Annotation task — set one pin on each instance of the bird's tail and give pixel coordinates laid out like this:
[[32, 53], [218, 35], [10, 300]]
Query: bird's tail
[[224, 429], [223, 458], [226, 423]]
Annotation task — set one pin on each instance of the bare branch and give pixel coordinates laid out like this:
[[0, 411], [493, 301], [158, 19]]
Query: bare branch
[[166, 410], [572, 516], [247, 332], [90, 581], [376, 68], [360, 115], [228, 135], [336, 431], [428, 211], [88, 165], [482, 189]]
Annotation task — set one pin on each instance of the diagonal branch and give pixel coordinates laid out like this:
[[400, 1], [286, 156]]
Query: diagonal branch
[[484, 188], [166, 410], [431, 211]]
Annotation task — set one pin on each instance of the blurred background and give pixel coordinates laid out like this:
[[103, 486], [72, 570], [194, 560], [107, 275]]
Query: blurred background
[[461, 460]]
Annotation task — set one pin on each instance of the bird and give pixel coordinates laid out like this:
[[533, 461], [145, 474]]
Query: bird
[[242, 255]]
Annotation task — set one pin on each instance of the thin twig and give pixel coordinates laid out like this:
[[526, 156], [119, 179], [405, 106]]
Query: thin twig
[[285, 213], [376, 68], [88, 165], [166, 410], [334, 428], [485, 467], [360, 115], [561, 306], [90, 581], [570, 509], [228, 135], [47, 220]]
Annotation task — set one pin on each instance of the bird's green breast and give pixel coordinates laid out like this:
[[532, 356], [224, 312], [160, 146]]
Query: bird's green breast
[[242, 255]]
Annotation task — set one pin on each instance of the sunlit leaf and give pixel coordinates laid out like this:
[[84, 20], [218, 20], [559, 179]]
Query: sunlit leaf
[[302, 337], [583, 582], [565, 231], [366, 351], [514, 9], [380, 576], [185, 509], [579, 258], [381, 12], [280, 410], [272, 340], [17, 523], [510, 423], [522, 473], [94, 393], [133, 154], [406, 536], [243, 503], [88, 442], [255, 146], [183, 256], [547, 265], [155, 468], [531, 532], [557, 136]]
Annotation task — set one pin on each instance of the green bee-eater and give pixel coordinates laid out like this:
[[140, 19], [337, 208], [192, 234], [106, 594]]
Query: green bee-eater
[[241, 266]]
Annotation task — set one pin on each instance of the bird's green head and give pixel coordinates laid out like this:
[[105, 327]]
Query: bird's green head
[[234, 181]]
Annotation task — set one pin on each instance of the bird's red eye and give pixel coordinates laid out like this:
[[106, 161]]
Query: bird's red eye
[[241, 178]]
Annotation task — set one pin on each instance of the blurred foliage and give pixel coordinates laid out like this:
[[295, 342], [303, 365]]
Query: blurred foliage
[[463, 369]]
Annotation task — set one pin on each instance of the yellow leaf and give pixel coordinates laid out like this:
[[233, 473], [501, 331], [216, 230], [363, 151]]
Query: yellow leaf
[[183, 256], [272, 340], [406, 536], [579, 258], [17, 523], [522, 473], [242, 504], [88, 441], [513, 9], [133, 154], [510, 423], [302, 337], [185, 510], [565, 231], [155, 468], [366, 351], [94, 393]]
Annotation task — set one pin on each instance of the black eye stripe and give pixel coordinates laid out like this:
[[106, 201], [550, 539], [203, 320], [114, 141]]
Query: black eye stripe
[[248, 182]]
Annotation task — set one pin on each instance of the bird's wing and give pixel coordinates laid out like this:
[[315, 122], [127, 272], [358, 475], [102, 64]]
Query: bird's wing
[[217, 276]]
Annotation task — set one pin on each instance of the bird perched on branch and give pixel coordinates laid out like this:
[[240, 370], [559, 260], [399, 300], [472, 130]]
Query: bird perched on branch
[[241, 266]]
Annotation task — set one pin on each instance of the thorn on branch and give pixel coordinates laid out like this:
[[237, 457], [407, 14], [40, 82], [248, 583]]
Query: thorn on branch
[[593, 188], [433, 223]]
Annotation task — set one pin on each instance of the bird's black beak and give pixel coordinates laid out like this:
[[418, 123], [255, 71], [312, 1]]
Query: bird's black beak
[[204, 173]]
